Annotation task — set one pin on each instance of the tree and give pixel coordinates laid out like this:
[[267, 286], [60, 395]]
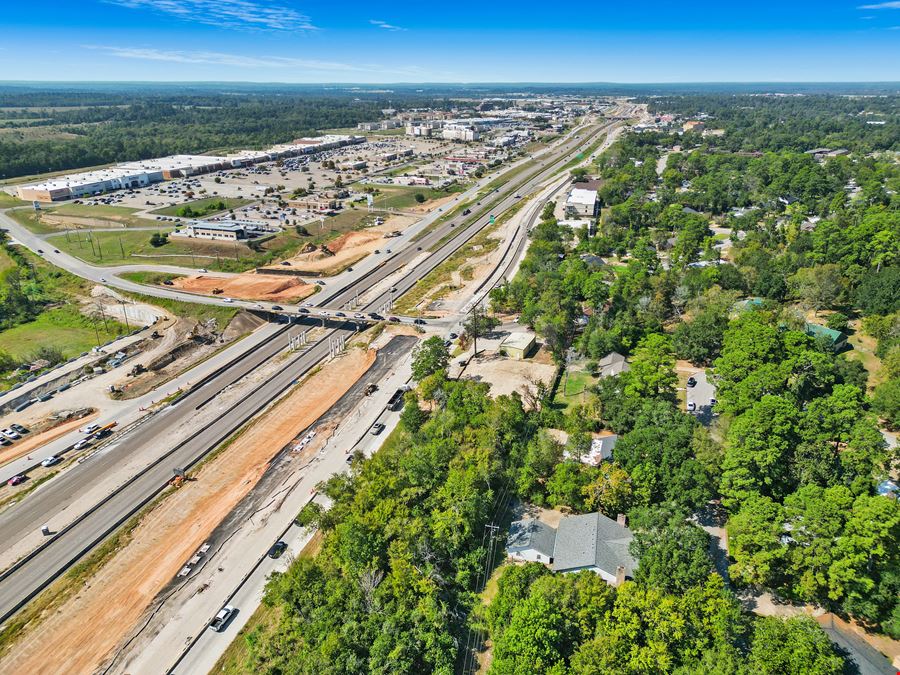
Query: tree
[[673, 554], [754, 541], [419, 197], [429, 357], [652, 373], [412, 417], [879, 292], [700, 340], [157, 239], [479, 324], [795, 645], [886, 402], [566, 486], [818, 287], [610, 492]]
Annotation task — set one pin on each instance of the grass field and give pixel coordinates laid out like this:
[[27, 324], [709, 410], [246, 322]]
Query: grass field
[[573, 388], [7, 200], [52, 219], [6, 263], [403, 197], [65, 328], [150, 278], [204, 206]]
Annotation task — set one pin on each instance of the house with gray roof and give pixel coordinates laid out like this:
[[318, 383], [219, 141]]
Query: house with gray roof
[[612, 364], [585, 542], [530, 540]]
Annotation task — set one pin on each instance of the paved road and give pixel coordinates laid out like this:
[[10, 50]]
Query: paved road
[[23, 581], [237, 568]]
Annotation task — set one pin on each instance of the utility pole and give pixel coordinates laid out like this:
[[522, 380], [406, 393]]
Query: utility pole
[[125, 312]]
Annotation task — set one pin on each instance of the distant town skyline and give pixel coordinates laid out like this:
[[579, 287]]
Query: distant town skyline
[[307, 42]]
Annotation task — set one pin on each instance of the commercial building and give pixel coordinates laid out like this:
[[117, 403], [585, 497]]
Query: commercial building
[[201, 229], [582, 204], [517, 345], [315, 204], [137, 174]]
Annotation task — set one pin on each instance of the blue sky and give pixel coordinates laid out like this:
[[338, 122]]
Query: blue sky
[[460, 41]]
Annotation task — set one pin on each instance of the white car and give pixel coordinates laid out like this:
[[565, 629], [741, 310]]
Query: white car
[[90, 428], [202, 270], [227, 300], [691, 406], [103, 279], [83, 443], [222, 618], [11, 434], [51, 460]]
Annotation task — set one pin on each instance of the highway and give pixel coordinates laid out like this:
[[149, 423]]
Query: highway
[[31, 574]]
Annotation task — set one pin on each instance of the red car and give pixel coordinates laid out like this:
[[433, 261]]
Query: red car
[[18, 479]]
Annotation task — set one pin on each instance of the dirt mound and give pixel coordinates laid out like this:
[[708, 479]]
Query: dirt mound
[[248, 286], [244, 322]]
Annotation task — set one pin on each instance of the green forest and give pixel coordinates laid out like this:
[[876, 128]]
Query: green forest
[[89, 129]]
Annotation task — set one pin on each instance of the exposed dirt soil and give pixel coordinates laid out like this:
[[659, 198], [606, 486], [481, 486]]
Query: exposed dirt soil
[[37, 439], [87, 627], [350, 247], [250, 286]]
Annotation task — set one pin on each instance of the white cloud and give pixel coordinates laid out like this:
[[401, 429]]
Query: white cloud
[[234, 14], [882, 5], [385, 25], [243, 61]]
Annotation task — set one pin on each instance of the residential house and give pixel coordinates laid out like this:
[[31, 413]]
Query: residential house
[[590, 541], [612, 364]]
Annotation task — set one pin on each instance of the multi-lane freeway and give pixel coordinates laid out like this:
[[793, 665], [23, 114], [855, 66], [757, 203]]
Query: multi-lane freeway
[[26, 578]]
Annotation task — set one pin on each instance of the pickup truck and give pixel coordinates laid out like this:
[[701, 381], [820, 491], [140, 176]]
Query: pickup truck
[[395, 402]]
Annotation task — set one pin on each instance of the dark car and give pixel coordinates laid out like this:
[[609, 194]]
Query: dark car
[[5, 441], [303, 310], [41, 251], [277, 308], [56, 250], [453, 336], [394, 319], [19, 428], [341, 314], [18, 479], [321, 283], [277, 549], [467, 212], [421, 322], [377, 251], [691, 382], [168, 282], [375, 317]]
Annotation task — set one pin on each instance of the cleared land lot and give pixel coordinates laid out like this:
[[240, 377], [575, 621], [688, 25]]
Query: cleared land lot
[[71, 216]]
